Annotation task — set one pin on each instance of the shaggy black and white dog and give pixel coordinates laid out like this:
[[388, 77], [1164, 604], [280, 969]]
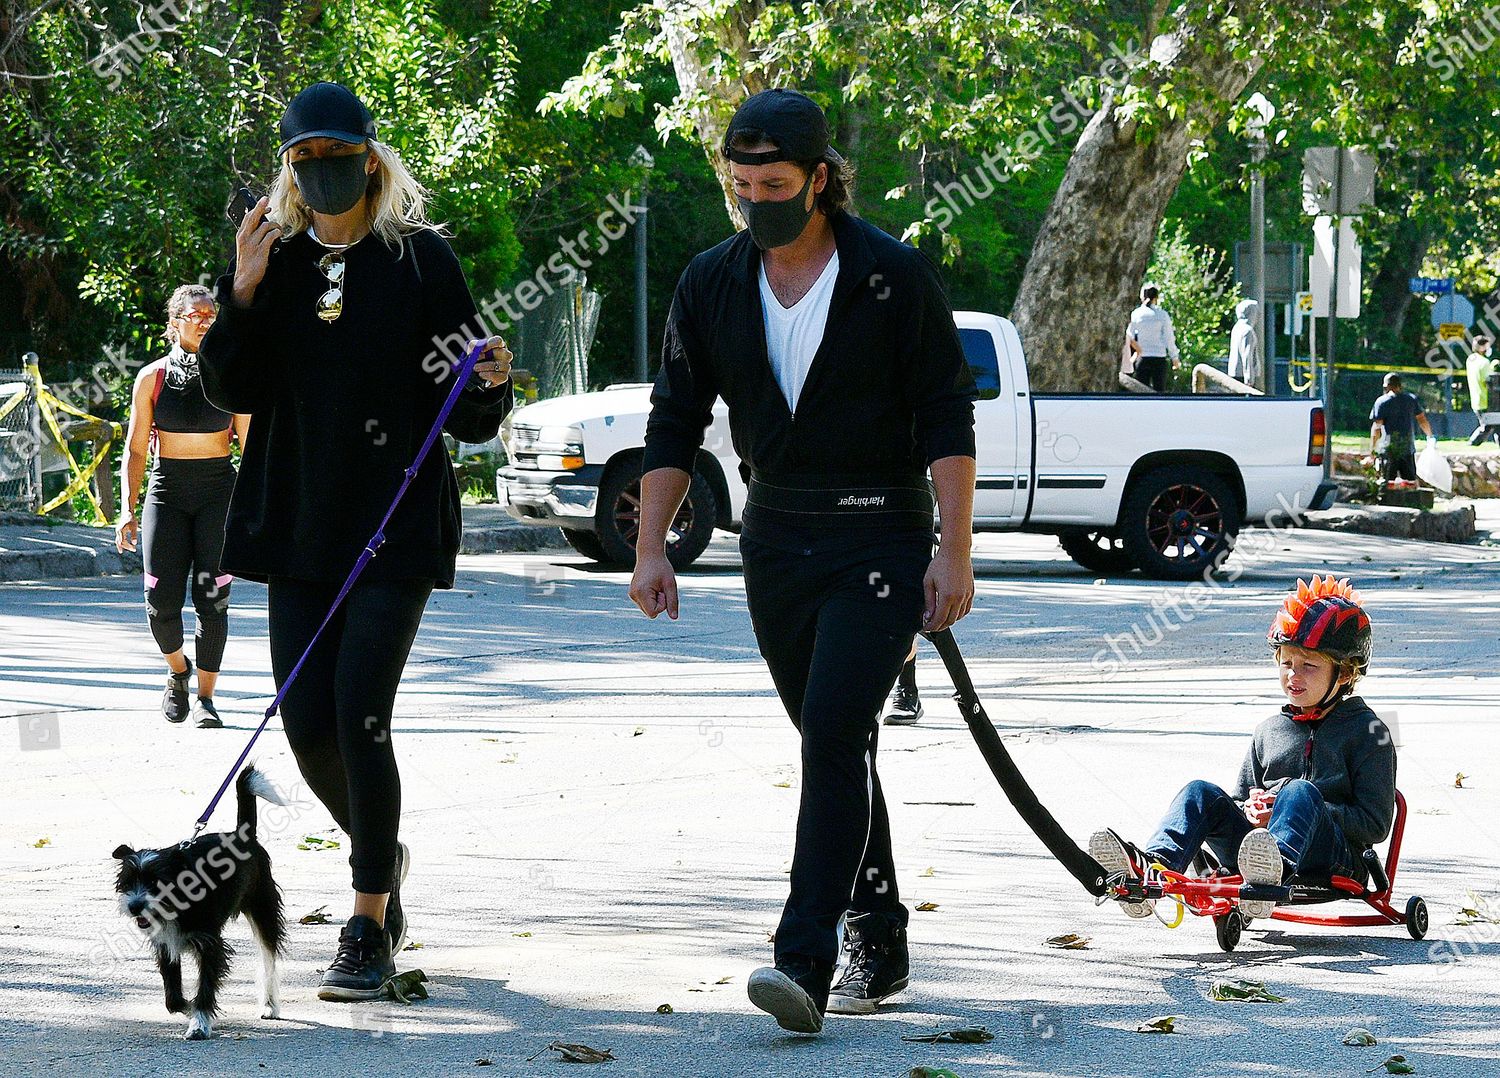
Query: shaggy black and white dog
[[182, 896]]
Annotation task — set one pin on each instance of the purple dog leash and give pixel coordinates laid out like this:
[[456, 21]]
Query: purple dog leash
[[466, 368]]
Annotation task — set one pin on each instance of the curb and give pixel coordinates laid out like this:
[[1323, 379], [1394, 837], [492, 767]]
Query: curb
[[35, 549], [1450, 522]]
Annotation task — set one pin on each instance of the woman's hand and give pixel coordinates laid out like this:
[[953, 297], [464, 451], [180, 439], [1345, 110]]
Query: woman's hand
[[127, 532], [252, 249], [494, 364]]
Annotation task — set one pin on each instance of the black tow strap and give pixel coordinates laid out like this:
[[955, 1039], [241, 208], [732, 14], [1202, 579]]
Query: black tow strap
[[1083, 867]]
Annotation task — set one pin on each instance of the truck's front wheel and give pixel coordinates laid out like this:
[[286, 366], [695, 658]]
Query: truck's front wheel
[[1096, 550], [618, 519], [1177, 521], [586, 543]]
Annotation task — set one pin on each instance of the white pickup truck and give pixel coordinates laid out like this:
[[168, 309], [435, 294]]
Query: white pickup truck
[[1156, 483]]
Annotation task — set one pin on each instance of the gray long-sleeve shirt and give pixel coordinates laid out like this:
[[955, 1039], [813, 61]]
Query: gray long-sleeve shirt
[[1349, 756]]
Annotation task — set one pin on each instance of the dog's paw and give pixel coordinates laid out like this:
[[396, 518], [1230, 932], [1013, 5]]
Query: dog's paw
[[200, 1027], [271, 1012]]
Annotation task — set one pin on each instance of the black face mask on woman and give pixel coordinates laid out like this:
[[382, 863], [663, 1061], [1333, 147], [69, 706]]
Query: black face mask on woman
[[332, 185], [776, 224]]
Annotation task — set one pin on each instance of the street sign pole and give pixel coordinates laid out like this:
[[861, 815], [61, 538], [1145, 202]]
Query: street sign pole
[[1333, 312]]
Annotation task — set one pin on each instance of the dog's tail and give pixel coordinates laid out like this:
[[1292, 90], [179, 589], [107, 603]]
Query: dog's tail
[[252, 784]]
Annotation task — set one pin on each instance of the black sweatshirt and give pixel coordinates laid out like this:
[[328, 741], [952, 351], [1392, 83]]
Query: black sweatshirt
[[889, 390], [1349, 755], [338, 410]]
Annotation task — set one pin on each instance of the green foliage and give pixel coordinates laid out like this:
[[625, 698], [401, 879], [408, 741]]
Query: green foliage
[[1197, 292]]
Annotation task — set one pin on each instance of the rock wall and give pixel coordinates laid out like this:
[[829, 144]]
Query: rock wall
[[1475, 475]]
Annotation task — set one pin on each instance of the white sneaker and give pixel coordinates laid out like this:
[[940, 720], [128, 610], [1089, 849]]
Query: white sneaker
[[1260, 862], [1115, 857]]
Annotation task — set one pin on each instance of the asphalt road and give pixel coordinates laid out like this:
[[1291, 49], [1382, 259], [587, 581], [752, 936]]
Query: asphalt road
[[600, 810]]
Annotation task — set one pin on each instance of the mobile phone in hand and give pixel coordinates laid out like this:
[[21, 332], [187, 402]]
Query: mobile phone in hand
[[240, 203]]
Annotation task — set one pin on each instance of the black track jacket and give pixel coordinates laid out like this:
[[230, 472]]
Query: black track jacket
[[888, 393]]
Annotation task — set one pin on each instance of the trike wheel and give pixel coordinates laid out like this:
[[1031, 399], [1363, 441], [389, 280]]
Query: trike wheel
[[1416, 917], [1228, 928]]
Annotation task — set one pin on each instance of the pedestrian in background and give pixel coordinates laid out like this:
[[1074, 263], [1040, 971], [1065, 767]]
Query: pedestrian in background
[[1393, 436], [1244, 347], [1152, 340], [1481, 367]]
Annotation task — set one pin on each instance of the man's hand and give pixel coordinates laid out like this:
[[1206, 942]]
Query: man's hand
[[653, 586], [949, 590]]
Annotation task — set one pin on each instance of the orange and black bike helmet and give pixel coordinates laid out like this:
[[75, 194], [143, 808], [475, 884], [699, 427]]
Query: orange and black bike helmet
[[1325, 616]]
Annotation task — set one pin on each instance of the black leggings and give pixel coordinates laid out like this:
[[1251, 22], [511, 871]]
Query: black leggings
[[337, 714], [182, 533], [835, 628]]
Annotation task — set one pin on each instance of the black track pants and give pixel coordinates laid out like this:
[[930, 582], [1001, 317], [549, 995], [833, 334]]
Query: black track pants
[[337, 713], [182, 535], [835, 627]]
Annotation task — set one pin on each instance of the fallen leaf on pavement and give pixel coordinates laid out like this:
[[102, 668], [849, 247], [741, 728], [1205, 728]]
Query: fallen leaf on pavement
[[665, 1008], [1359, 1038], [1070, 941], [318, 916], [724, 980], [1395, 1065], [521, 935], [315, 842], [639, 730], [930, 1072], [788, 785], [39, 843], [927, 873], [405, 987], [926, 907], [1164, 1024], [484, 1063], [1237, 991], [962, 1035], [414, 945], [577, 1053], [1458, 780]]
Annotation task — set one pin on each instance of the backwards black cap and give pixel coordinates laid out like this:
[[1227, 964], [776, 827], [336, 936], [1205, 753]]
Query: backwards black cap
[[325, 110], [793, 121]]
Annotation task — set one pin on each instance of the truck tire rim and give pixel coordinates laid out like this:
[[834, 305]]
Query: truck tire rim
[[1185, 522], [628, 517]]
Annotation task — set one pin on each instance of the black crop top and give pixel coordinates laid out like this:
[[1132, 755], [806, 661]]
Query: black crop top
[[181, 407]]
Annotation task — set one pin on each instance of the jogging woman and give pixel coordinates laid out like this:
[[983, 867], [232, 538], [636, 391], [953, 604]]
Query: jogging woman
[[341, 320], [182, 523]]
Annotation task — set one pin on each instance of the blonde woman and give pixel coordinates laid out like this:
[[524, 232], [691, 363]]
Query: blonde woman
[[181, 524], [339, 318]]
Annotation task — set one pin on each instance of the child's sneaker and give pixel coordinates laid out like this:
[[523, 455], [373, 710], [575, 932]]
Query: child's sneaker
[[1260, 863], [1121, 860]]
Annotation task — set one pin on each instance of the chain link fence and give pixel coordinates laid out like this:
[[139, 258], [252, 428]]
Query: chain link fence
[[20, 442]]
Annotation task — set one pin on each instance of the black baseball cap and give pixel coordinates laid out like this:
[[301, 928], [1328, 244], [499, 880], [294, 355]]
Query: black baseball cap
[[325, 110], [791, 120]]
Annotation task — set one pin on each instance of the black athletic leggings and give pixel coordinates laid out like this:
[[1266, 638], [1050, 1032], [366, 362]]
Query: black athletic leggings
[[337, 713], [182, 533], [835, 626]]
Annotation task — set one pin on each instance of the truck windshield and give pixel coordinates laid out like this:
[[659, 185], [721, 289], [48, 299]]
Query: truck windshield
[[984, 364]]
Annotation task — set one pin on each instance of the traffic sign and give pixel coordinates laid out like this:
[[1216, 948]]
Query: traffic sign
[[1337, 180], [1452, 331], [1304, 302], [1452, 308], [1431, 286]]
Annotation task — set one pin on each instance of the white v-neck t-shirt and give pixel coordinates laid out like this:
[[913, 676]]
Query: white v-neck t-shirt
[[794, 333]]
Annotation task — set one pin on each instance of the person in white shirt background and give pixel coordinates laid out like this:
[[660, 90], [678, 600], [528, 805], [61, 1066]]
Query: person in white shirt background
[[1244, 346], [1152, 340]]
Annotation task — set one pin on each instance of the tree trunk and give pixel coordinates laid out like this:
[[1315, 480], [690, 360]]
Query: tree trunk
[[1390, 291], [1092, 250], [716, 88]]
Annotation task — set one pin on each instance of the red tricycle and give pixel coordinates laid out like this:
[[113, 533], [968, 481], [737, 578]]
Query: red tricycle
[[1217, 893]]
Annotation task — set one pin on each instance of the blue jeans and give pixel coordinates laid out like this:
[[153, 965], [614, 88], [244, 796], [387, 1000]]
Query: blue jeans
[[1311, 841]]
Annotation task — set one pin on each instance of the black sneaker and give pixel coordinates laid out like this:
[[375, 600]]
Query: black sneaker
[[905, 707], [174, 702], [395, 916], [205, 715], [879, 965], [362, 968], [795, 993]]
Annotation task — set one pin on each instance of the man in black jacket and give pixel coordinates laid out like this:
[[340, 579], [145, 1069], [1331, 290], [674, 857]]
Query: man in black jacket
[[835, 349]]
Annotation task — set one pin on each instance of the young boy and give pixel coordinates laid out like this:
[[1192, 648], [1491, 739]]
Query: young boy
[[1318, 783]]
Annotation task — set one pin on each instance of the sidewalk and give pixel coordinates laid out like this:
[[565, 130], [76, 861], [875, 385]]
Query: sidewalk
[[40, 548]]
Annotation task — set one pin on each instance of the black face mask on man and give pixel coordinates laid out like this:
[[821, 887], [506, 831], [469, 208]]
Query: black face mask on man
[[776, 224], [332, 185]]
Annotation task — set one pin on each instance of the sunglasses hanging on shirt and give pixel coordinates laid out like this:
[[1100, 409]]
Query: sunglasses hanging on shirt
[[331, 302]]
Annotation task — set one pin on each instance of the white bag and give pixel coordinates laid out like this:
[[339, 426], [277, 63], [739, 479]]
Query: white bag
[[1433, 469]]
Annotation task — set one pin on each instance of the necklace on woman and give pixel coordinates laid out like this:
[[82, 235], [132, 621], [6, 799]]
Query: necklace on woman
[[332, 246]]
